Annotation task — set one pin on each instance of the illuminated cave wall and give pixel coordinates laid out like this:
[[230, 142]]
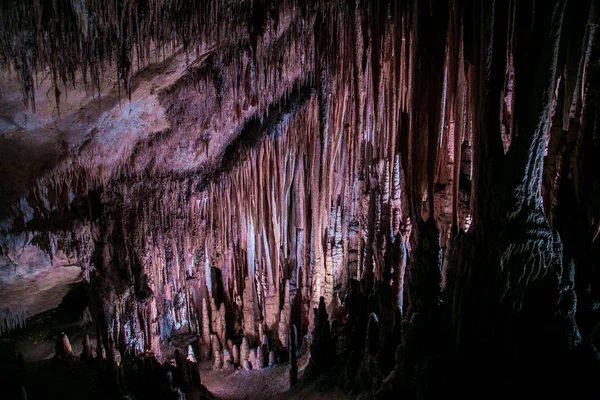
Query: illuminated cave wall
[[308, 143]]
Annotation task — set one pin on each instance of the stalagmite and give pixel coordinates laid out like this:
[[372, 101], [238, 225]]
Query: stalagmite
[[228, 362], [63, 347], [205, 322], [271, 312], [195, 373], [23, 394], [284, 317], [216, 352], [249, 319], [227, 357], [369, 374], [252, 358], [203, 350], [244, 351], [184, 369], [322, 349], [87, 352], [190, 354], [218, 320]]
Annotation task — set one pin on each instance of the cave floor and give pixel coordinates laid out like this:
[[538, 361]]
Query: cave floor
[[48, 379], [268, 383]]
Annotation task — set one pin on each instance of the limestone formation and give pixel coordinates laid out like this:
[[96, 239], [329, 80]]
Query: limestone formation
[[369, 375], [272, 359], [248, 310], [236, 354], [229, 366], [203, 350], [293, 360], [284, 318], [87, 353], [244, 351], [227, 357], [322, 348], [260, 358], [183, 369], [410, 185], [63, 347], [11, 320], [195, 374], [191, 357], [216, 352], [252, 358], [205, 322]]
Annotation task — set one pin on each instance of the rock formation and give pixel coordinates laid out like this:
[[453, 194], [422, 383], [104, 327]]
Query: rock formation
[[293, 359], [63, 348], [410, 186]]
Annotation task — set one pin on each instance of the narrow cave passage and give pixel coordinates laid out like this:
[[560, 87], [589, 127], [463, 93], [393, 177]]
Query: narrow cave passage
[[294, 199]]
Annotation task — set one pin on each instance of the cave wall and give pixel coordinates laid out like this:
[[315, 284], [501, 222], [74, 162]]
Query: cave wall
[[303, 144]]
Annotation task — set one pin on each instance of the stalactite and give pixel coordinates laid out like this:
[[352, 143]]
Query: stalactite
[[12, 320], [299, 161]]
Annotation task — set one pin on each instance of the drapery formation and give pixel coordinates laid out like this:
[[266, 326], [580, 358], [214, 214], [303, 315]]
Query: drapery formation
[[442, 148]]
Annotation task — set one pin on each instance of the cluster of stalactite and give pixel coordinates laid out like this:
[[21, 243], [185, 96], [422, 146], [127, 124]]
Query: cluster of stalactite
[[83, 41], [12, 320], [414, 180]]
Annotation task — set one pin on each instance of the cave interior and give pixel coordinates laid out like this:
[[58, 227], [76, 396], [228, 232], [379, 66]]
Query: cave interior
[[299, 199]]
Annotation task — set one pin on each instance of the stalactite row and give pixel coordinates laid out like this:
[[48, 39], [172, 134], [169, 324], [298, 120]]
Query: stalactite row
[[346, 193], [264, 223], [324, 198], [12, 320], [79, 41]]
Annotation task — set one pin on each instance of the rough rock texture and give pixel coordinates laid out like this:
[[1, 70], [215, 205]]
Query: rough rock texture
[[322, 349], [87, 353], [272, 359], [236, 354], [293, 356], [225, 168], [11, 320], [260, 358], [217, 352], [244, 351]]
